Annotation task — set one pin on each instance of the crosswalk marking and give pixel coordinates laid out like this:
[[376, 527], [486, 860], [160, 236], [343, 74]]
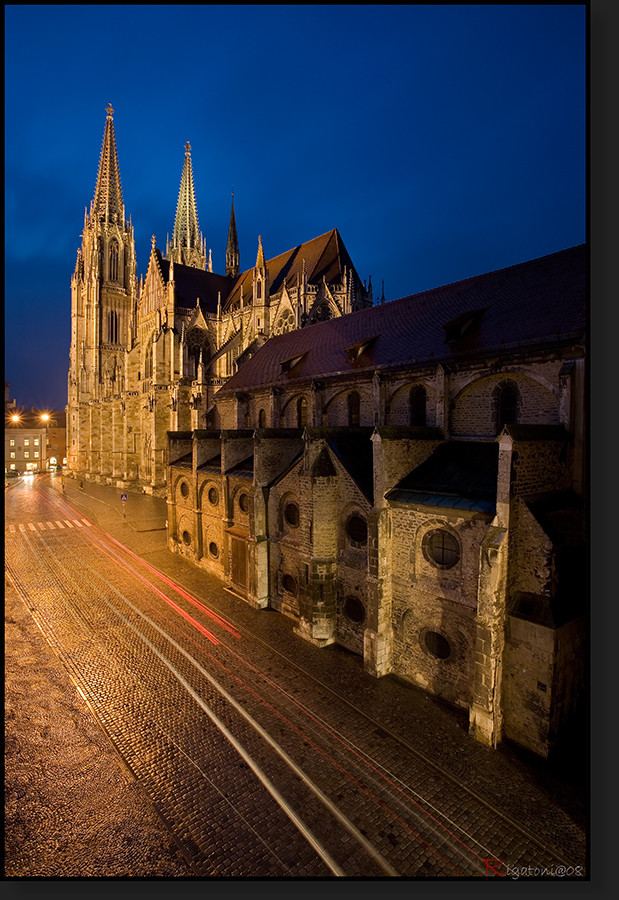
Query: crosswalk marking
[[48, 526]]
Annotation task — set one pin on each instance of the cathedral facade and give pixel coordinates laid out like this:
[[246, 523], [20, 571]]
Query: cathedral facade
[[148, 354]]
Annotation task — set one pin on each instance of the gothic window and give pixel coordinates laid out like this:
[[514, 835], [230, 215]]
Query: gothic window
[[197, 342], [148, 360], [112, 327], [301, 412], [258, 290], [506, 405], [114, 261], [357, 530], [284, 323], [262, 419], [417, 406], [322, 314], [354, 408]]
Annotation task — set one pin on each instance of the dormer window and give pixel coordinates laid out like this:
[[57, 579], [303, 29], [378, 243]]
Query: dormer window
[[288, 364], [355, 351], [462, 325]]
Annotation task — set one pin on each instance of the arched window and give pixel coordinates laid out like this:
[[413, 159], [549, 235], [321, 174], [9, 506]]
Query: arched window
[[262, 419], [417, 406], [258, 290], [113, 261], [112, 327], [507, 406], [301, 412], [354, 408]]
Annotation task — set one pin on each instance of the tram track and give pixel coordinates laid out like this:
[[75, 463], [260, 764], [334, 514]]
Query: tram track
[[401, 793]]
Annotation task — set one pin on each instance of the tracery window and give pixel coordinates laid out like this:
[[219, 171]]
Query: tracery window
[[284, 323], [322, 314], [197, 342], [148, 360]]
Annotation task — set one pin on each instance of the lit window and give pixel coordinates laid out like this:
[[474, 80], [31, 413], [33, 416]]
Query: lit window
[[26, 454], [26, 442], [12, 454], [36, 442], [12, 465], [12, 442], [36, 454]]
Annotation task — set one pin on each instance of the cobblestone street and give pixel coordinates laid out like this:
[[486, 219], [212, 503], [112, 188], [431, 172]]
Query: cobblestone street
[[73, 808]]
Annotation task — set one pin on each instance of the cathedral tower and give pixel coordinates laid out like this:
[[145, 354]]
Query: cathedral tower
[[188, 247], [103, 291]]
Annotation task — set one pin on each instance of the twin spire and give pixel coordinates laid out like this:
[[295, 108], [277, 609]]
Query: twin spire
[[107, 205], [188, 247]]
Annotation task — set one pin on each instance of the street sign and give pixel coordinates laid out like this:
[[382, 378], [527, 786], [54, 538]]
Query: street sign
[[123, 497]]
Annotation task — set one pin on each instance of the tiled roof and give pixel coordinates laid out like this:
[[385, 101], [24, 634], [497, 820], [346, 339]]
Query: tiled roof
[[458, 475], [325, 256], [192, 283], [537, 303]]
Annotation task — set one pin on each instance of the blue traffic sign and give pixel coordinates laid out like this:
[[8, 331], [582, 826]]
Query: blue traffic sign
[[123, 497]]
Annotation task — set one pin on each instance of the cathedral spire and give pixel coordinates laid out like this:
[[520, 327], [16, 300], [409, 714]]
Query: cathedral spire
[[107, 204], [232, 250], [188, 246]]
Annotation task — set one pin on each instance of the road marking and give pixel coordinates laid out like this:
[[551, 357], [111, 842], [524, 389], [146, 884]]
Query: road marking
[[87, 523], [51, 526], [41, 526], [67, 523], [11, 529], [31, 526], [59, 524], [22, 528], [78, 523]]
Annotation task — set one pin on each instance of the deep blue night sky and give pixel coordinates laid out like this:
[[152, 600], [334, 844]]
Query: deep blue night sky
[[442, 142]]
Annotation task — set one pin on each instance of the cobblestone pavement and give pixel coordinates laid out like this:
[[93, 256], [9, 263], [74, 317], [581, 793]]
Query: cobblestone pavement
[[56, 826]]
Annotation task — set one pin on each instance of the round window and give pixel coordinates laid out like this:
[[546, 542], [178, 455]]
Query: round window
[[291, 514], [441, 548], [244, 502], [437, 645], [357, 529], [213, 549], [354, 609], [186, 538], [289, 584], [184, 489], [213, 496]]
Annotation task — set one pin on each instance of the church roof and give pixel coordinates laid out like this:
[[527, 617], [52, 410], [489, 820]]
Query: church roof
[[538, 303], [324, 256], [191, 283]]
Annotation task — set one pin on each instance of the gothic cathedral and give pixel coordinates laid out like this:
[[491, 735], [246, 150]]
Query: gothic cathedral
[[147, 355]]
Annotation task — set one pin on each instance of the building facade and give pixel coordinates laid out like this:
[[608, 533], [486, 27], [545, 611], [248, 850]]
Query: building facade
[[408, 481], [147, 355], [34, 441]]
